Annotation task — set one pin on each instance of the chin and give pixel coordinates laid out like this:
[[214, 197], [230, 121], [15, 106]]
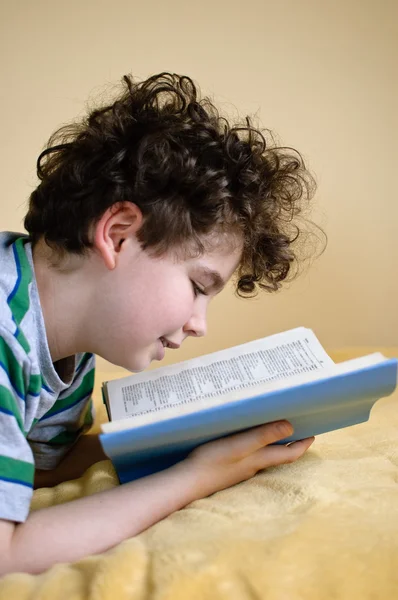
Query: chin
[[133, 361], [134, 364], [137, 364]]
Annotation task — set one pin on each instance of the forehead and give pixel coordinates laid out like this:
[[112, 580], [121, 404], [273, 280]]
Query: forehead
[[214, 259], [218, 262]]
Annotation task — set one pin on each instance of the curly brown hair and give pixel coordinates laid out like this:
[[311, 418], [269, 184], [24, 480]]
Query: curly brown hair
[[190, 172]]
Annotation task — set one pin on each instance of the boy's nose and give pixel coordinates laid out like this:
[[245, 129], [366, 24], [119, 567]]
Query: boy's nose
[[197, 325]]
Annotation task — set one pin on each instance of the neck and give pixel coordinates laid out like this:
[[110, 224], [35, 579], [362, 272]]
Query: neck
[[62, 287]]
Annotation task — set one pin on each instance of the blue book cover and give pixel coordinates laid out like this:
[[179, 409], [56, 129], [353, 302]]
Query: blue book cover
[[298, 382]]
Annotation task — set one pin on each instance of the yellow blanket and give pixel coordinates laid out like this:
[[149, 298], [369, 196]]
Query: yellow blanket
[[324, 528]]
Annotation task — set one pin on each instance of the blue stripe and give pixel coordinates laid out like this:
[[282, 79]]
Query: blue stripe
[[18, 393], [10, 480], [18, 265], [16, 326], [17, 331], [84, 361], [6, 412], [67, 408], [79, 368], [45, 387]]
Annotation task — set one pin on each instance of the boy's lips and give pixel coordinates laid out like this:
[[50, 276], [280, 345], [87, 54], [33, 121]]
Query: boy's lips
[[168, 344], [162, 345]]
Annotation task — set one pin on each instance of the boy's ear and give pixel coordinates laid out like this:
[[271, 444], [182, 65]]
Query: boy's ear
[[120, 221]]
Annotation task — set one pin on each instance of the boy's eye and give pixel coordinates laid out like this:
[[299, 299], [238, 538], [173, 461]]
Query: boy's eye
[[198, 290]]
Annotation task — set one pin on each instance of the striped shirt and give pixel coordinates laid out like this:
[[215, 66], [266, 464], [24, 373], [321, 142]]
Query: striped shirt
[[41, 416]]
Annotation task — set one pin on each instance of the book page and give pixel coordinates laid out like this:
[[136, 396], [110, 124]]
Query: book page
[[333, 370], [268, 360]]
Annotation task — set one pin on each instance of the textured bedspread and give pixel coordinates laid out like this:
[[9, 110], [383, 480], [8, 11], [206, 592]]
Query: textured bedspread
[[324, 528]]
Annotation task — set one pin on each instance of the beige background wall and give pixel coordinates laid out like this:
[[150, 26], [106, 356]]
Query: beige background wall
[[321, 74]]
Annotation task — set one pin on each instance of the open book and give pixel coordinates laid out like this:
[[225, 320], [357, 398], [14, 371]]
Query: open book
[[157, 418]]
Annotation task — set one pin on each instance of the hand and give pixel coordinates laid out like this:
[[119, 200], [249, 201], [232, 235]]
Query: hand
[[227, 461]]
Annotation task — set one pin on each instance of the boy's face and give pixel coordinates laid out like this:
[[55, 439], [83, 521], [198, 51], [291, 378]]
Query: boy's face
[[146, 303]]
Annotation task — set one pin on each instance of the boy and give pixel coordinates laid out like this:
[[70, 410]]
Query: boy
[[144, 211]]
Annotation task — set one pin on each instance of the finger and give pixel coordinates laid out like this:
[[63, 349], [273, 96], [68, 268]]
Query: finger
[[279, 455], [250, 441]]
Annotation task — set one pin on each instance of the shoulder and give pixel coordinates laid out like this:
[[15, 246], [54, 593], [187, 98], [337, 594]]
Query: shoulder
[[19, 309], [9, 249], [11, 275]]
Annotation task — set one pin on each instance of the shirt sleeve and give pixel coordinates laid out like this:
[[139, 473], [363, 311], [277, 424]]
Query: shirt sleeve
[[71, 416], [16, 457]]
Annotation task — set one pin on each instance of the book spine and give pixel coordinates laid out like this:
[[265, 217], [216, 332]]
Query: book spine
[[105, 402]]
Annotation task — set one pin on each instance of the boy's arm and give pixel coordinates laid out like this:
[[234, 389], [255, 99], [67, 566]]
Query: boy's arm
[[105, 519], [85, 452], [93, 524]]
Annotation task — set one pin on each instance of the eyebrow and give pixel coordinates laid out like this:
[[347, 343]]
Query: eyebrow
[[217, 282]]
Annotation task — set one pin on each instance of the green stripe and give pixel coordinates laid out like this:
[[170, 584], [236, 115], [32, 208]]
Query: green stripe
[[13, 367], [88, 417], [35, 383], [23, 341], [64, 438], [19, 303], [84, 389], [68, 437], [7, 401], [17, 469]]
